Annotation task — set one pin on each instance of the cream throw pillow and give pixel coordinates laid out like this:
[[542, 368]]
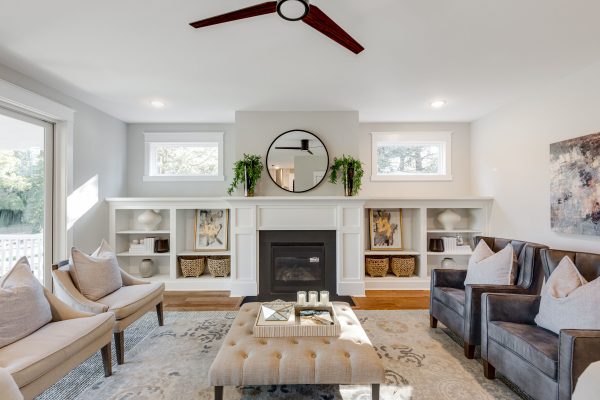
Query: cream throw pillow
[[96, 275], [568, 300], [489, 268], [23, 306]]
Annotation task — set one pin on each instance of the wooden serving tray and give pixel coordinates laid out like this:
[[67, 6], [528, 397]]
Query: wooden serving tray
[[293, 328]]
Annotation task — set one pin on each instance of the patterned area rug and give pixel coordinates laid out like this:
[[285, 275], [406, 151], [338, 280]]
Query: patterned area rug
[[172, 362]]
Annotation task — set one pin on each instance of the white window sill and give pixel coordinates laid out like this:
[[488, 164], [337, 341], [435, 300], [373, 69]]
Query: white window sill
[[219, 178], [411, 178]]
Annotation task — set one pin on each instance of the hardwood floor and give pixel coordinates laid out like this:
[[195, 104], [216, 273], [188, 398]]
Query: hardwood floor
[[374, 300]]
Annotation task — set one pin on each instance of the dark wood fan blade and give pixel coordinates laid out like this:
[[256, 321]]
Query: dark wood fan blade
[[249, 12], [310, 152], [321, 22]]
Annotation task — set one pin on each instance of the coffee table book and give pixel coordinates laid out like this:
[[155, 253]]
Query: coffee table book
[[293, 328]]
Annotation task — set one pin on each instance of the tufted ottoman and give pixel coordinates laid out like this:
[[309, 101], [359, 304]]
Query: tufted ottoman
[[244, 360]]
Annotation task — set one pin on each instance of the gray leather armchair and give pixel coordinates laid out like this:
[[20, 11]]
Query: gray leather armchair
[[544, 365], [459, 307]]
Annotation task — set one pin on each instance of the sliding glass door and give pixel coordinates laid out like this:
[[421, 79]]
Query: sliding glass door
[[26, 177]]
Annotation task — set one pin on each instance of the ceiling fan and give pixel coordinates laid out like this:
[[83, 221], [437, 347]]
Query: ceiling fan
[[291, 10], [304, 146]]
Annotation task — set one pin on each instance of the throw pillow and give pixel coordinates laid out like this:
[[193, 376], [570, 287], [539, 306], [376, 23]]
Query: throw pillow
[[96, 275], [489, 268], [568, 300], [23, 306]]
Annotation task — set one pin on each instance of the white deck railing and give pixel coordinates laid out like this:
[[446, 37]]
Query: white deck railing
[[15, 246]]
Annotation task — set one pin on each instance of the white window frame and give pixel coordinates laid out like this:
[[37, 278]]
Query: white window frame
[[443, 138], [185, 138]]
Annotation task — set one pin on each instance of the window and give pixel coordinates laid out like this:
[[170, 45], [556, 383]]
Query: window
[[184, 156], [419, 156]]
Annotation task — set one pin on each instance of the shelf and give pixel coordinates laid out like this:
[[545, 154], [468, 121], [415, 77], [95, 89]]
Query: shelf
[[141, 232], [461, 253], [390, 278], [204, 278], [391, 253], [128, 254], [453, 231], [204, 253], [155, 278]]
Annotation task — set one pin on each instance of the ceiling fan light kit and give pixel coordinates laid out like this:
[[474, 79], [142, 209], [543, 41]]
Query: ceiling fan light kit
[[291, 10]]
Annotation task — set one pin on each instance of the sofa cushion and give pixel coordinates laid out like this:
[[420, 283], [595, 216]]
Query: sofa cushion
[[34, 356], [128, 299], [536, 345], [568, 300], [98, 274], [451, 297], [489, 268], [23, 305]]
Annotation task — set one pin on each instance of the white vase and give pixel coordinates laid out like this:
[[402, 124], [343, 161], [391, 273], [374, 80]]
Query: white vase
[[448, 263], [149, 219], [449, 219], [147, 268]]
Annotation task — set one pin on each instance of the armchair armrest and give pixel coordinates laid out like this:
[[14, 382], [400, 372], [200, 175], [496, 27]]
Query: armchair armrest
[[454, 278], [577, 350], [66, 291], [8, 386], [61, 311], [130, 280]]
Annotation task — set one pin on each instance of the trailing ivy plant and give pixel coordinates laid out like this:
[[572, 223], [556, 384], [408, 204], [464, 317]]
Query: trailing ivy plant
[[350, 171], [246, 171]]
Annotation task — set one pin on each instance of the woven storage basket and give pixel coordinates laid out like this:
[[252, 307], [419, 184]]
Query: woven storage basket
[[219, 266], [191, 266], [377, 266], [403, 266]]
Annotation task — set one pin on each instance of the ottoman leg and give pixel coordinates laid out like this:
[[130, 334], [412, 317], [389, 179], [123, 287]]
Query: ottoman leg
[[218, 392], [375, 391]]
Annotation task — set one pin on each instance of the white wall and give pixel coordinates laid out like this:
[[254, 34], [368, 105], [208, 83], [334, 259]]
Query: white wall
[[135, 162], [510, 156], [99, 148], [461, 157]]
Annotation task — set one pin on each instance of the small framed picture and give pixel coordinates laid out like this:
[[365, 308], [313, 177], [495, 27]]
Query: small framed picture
[[385, 228], [211, 230]]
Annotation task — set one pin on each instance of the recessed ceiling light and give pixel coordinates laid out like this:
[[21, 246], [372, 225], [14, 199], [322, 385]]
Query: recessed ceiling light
[[157, 103], [438, 103]]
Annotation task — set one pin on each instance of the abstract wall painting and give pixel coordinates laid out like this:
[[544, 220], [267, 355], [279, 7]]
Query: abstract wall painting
[[575, 185], [386, 229], [211, 231]]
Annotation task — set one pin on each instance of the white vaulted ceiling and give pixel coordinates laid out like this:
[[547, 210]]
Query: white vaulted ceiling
[[475, 54]]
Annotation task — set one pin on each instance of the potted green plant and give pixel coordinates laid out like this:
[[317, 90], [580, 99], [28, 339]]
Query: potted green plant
[[350, 171], [247, 171]]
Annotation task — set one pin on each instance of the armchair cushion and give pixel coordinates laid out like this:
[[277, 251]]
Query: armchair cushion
[[128, 299], [23, 305], [489, 268], [33, 356], [451, 297], [536, 345], [96, 275]]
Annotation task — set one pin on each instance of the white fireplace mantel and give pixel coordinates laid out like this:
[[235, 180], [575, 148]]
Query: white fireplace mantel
[[348, 216]]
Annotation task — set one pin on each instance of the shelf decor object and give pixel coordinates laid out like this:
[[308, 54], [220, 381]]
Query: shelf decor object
[[246, 171], [219, 266], [377, 266], [403, 267], [149, 219], [294, 327], [191, 267], [350, 171], [385, 229], [436, 245], [161, 246], [211, 230], [147, 268], [449, 219], [448, 263], [277, 310]]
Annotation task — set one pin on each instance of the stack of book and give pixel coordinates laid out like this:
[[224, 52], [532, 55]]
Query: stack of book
[[145, 246]]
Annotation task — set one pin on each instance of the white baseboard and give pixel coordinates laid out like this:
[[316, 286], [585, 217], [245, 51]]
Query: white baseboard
[[351, 288]]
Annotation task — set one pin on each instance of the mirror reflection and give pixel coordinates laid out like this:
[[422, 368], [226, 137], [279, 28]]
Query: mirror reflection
[[297, 161]]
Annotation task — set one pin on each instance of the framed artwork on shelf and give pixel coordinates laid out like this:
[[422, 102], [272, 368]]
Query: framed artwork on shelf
[[385, 229], [211, 230]]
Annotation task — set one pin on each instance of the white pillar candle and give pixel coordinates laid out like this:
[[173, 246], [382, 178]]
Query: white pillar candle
[[313, 298], [301, 299], [324, 301]]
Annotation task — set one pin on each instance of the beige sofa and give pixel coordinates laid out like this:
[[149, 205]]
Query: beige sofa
[[39, 360], [128, 303]]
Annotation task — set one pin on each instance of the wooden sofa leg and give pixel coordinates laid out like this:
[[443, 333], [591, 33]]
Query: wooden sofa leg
[[120, 347], [432, 321], [375, 391], [159, 314], [107, 360], [489, 371], [469, 350], [218, 392]]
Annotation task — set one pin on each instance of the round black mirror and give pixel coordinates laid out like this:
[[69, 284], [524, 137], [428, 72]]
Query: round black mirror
[[297, 161]]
